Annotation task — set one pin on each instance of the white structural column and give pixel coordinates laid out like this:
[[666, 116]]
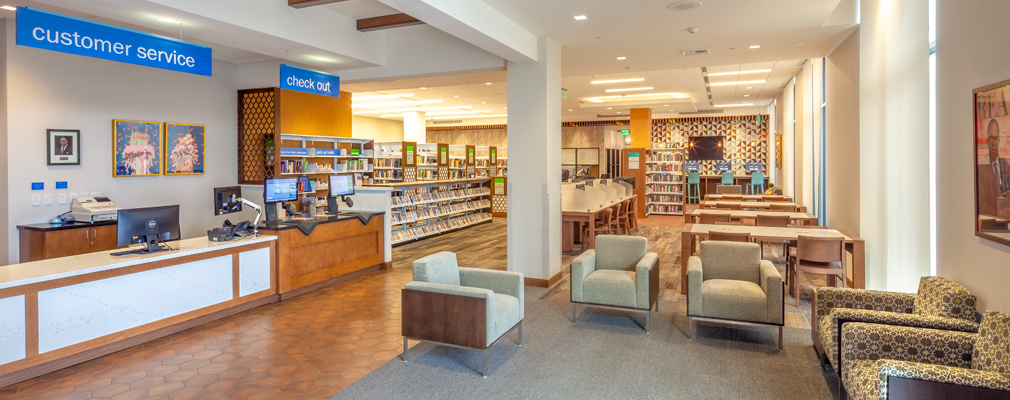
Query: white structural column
[[414, 129], [534, 179], [894, 142]]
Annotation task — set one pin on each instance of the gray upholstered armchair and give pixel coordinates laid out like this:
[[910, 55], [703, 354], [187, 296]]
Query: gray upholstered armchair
[[900, 362], [730, 282], [619, 274], [939, 304], [461, 307]]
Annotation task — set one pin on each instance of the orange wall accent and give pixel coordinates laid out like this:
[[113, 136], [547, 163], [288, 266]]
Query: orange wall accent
[[314, 114], [641, 128]]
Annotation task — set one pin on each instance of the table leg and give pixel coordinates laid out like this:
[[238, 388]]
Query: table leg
[[567, 235], [857, 250], [592, 231], [686, 248]]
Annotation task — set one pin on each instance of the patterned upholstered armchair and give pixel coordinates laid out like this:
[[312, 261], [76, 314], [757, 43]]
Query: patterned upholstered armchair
[[939, 304], [461, 307], [730, 282], [891, 362], [619, 274]]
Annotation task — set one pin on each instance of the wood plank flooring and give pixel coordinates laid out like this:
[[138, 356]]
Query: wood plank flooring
[[312, 346]]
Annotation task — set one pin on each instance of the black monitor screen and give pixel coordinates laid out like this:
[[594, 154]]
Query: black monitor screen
[[705, 148], [280, 189], [341, 185], [226, 200], [140, 225]]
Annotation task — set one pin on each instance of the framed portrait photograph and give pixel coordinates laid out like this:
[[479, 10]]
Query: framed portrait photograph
[[136, 148], [63, 147], [991, 145], [184, 150]]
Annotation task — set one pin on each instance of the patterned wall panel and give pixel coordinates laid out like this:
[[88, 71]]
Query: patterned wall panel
[[443, 172], [410, 174], [745, 138], [256, 127]]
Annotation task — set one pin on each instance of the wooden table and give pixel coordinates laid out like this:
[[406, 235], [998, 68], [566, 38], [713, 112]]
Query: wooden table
[[571, 220], [794, 217], [853, 245], [751, 204], [748, 197]]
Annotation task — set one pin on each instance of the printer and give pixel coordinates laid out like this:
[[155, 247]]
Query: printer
[[94, 209]]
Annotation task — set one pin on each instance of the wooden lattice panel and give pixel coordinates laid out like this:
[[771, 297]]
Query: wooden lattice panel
[[410, 174], [443, 172], [256, 130]]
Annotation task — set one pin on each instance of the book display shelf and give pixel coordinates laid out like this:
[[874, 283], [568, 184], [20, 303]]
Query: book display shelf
[[424, 209], [395, 162], [314, 157], [499, 160], [664, 182]]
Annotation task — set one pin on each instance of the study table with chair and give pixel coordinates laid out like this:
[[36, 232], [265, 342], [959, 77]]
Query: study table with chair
[[584, 208], [797, 218], [854, 246]]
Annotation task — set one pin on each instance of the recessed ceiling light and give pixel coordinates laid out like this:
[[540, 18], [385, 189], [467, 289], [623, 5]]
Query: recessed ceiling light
[[684, 5], [400, 110], [746, 95], [422, 88], [733, 105], [622, 58], [609, 108], [505, 108], [569, 109], [487, 83], [471, 116], [162, 19], [629, 89], [9, 8], [734, 83], [666, 105], [754, 71], [618, 112], [396, 103], [799, 43], [384, 96], [580, 17], [601, 37], [618, 80], [755, 46], [321, 58], [455, 96], [599, 99], [750, 87], [459, 112], [483, 102]]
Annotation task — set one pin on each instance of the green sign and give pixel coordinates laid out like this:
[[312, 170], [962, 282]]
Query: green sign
[[494, 156], [499, 186], [410, 155], [625, 132], [355, 152], [564, 93], [470, 155]]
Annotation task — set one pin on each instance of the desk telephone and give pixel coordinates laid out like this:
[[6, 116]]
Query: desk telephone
[[229, 231]]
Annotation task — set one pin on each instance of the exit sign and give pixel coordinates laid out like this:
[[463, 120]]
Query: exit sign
[[625, 132]]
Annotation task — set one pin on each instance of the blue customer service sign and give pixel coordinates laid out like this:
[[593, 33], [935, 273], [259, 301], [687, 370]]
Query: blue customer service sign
[[57, 32], [309, 81]]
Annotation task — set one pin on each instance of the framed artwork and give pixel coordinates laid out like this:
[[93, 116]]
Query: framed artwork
[[184, 149], [63, 147], [136, 148], [991, 144]]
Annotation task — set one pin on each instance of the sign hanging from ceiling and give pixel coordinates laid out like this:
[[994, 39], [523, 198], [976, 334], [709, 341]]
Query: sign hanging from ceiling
[[309, 81], [51, 31]]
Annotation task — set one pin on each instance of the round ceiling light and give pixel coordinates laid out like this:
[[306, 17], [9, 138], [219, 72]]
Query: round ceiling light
[[684, 5]]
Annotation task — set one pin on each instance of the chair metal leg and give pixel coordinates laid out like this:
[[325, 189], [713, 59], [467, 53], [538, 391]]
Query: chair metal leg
[[573, 313], [647, 318], [780, 338], [520, 334], [404, 349], [690, 328], [657, 305], [484, 371]]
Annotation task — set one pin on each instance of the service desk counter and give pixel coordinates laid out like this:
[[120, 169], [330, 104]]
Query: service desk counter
[[318, 252], [63, 311]]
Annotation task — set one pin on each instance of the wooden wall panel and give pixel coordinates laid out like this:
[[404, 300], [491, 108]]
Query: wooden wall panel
[[313, 114]]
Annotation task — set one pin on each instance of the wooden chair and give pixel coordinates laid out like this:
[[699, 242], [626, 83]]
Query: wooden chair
[[782, 207], [730, 236], [816, 255], [602, 224], [770, 198], [737, 223], [710, 218], [774, 221], [732, 197], [615, 220], [629, 213], [730, 206]]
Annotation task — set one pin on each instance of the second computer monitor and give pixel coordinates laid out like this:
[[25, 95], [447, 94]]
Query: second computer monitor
[[280, 189], [341, 185], [150, 225]]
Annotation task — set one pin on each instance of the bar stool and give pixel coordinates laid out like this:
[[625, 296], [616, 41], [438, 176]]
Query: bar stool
[[757, 182], [727, 178], [694, 186]]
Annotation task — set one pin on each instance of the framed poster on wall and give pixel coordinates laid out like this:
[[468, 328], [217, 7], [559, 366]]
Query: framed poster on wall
[[184, 149], [63, 147], [991, 142], [136, 148]]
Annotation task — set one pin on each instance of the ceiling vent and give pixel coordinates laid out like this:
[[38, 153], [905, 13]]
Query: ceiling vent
[[447, 121], [719, 111], [694, 52]]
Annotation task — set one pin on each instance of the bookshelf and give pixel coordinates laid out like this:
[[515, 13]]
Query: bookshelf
[[482, 161], [424, 209], [316, 157], [664, 182], [499, 159], [395, 162]]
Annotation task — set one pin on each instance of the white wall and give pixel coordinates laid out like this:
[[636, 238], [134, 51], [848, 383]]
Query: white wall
[[971, 53], [48, 89], [378, 129], [842, 146]]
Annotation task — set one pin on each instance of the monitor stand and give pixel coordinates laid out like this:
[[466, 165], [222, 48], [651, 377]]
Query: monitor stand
[[331, 205], [154, 245], [271, 211]]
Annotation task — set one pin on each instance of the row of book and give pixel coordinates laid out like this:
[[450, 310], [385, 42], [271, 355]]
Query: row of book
[[301, 167], [389, 162], [427, 174], [428, 230], [436, 212], [667, 188], [430, 197], [665, 209], [665, 168], [667, 156], [660, 198], [389, 173], [665, 178]]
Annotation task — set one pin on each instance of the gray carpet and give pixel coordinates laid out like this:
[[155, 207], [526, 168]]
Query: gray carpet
[[607, 355]]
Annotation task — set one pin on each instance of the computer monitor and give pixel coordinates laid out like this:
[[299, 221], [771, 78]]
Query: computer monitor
[[226, 200], [341, 185], [280, 189], [149, 225]]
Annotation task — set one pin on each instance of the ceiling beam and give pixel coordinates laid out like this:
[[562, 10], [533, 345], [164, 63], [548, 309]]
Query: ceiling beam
[[310, 3], [387, 22]]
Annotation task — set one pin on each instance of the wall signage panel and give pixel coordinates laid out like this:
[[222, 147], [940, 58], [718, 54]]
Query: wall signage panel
[[309, 81], [51, 31]]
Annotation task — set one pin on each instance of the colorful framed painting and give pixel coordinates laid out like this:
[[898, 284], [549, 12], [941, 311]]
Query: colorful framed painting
[[136, 148], [991, 145], [184, 149]]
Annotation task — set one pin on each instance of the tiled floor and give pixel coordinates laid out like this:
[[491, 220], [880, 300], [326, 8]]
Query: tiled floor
[[311, 346]]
